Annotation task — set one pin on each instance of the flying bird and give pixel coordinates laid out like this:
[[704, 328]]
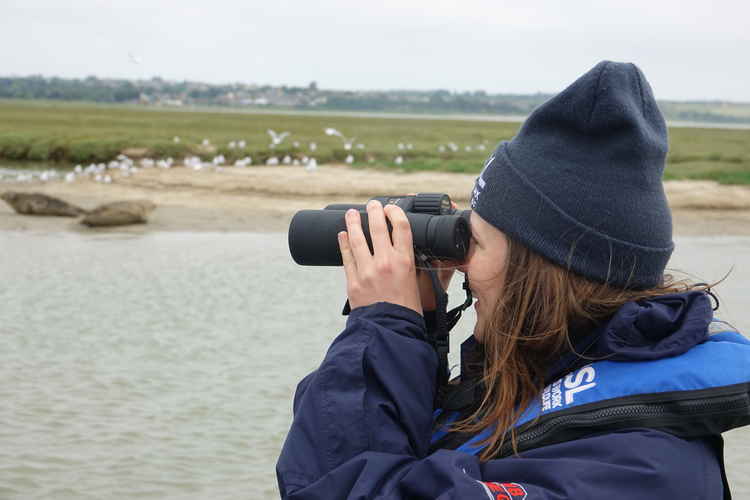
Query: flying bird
[[276, 138], [347, 141], [134, 59]]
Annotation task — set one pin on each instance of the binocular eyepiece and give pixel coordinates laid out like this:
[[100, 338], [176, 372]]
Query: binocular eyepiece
[[438, 230]]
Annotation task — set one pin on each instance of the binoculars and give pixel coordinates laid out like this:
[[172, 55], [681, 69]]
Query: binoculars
[[438, 230]]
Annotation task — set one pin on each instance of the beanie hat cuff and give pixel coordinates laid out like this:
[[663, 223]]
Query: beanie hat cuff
[[505, 198]]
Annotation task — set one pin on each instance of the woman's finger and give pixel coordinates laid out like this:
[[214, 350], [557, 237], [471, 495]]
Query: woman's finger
[[356, 238], [401, 233], [381, 242], [347, 258]]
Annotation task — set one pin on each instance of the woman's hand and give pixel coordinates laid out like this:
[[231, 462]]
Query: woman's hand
[[388, 274]]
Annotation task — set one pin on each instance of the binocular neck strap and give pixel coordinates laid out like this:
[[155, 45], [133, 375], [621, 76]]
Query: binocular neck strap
[[444, 322]]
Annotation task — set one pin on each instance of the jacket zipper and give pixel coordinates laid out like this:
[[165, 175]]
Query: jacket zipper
[[528, 439]]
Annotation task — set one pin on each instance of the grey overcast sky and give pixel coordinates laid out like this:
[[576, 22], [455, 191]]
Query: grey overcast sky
[[687, 49]]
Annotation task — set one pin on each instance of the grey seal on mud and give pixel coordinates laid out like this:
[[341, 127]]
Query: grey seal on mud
[[40, 204], [119, 213]]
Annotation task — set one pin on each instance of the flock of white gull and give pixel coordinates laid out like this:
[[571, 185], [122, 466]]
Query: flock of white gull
[[124, 166]]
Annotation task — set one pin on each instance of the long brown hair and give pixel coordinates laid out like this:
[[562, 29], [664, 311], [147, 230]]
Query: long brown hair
[[542, 311]]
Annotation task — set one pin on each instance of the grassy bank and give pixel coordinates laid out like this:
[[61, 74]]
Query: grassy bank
[[78, 133]]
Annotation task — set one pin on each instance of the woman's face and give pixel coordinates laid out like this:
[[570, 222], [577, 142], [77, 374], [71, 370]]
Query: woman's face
[[486, 266]]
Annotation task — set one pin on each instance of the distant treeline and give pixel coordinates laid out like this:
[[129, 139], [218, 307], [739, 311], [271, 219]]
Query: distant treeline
[[159, 92], [88, 89]]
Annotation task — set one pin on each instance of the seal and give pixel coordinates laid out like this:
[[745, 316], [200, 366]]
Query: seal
[[40, 204], [119, 213]]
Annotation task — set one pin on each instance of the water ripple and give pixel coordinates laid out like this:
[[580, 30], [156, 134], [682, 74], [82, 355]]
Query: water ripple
[[163, 366]]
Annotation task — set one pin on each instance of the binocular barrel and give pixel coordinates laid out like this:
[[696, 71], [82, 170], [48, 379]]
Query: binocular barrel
[[313, 234]]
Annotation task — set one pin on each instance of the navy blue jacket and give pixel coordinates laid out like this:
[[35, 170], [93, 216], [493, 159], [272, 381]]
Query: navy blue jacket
[[363, 421]]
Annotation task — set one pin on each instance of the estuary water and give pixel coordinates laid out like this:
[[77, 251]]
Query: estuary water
[[163, 365]]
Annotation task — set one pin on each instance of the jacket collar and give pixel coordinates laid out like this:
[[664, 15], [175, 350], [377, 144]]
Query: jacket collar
[[655, 328]]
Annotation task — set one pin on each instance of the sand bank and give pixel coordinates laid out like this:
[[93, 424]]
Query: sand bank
[[265, 198]]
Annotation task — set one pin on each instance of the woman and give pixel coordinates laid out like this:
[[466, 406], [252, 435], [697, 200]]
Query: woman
[[590, 372]]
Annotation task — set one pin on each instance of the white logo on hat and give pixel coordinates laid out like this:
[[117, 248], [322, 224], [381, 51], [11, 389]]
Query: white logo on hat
[[479, 186]]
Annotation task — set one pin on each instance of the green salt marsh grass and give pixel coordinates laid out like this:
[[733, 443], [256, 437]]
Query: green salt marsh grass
[[71, 133]]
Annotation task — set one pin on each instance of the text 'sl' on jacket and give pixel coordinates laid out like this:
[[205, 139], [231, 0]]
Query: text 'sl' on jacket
[[363, 422]]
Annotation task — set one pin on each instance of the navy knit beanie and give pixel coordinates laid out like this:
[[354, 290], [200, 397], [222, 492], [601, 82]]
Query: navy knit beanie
[[581, 182]]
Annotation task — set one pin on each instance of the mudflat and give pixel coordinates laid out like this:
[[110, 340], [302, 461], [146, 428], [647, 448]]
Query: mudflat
[[264, 198]]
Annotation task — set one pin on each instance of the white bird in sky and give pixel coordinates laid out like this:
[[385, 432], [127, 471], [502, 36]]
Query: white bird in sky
[[276, 138], [134, 58]]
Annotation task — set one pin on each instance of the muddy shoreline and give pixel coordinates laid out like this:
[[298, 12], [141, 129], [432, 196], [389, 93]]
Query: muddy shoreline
[[263, 199]]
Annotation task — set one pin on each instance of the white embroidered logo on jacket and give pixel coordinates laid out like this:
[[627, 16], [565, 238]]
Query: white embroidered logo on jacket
[[566, 388]]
